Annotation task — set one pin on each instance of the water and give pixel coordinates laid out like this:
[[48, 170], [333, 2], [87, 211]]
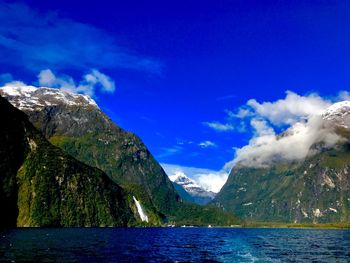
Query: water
[[142, 214], [174, 245]]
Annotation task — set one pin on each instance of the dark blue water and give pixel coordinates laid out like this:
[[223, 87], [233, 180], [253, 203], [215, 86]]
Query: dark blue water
[[174, 245]]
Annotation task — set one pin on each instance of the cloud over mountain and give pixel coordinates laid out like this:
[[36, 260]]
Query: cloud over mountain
[[289, 110], [284, 130], [88, 85], [209, 180]]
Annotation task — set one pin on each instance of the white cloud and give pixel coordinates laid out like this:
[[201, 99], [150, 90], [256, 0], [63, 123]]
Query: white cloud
[[46, 78], [210, 180], [207, 144], [304, 128], [96, 77], [220, 127], [295, 144], [242, 113], [88, 85], [288, 110], [281, 112], [261, 128]]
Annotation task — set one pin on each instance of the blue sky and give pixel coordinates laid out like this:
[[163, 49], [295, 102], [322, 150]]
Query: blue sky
[[183, 69]]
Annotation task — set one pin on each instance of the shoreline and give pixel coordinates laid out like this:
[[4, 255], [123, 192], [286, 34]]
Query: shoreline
[[246, 226]]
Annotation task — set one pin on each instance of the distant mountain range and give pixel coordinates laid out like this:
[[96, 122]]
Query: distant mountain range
[[315, 189], [77, 125], [190, 190]]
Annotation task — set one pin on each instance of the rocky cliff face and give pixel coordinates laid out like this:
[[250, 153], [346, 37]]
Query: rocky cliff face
[[315, 189], [40, 185]]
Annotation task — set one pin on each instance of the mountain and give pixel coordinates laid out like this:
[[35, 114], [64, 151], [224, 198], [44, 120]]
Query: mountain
[[193, 192], [183, 193], [40, 185], [77, 125], [315, 189]]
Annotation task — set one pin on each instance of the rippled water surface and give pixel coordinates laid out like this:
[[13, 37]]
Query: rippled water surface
[[174, 244]]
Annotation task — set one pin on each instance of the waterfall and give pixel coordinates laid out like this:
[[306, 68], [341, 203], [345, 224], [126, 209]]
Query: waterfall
[[142, 214]]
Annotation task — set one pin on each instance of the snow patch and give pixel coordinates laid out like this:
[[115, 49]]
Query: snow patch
[[32, 98], [338, 112], [18, 89]]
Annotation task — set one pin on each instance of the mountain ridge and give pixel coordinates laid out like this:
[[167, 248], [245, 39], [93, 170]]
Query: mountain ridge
[[40, 185], [82, 130], [315, 189]]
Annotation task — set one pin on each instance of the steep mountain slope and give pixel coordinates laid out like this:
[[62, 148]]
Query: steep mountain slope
[[40, 185], [183, 193], [316, 189], [197, 194], [76, 124]]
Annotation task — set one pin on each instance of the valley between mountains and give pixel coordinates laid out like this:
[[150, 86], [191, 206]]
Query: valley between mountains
[[65, 163], [75, 167]]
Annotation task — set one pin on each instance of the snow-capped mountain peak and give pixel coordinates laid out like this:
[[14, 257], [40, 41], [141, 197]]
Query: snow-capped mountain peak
[[32, 98], [201, 195], [181, 179], [339, 113], [337, 110]]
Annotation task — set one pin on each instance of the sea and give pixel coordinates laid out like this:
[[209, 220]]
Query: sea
[[174, 245]]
